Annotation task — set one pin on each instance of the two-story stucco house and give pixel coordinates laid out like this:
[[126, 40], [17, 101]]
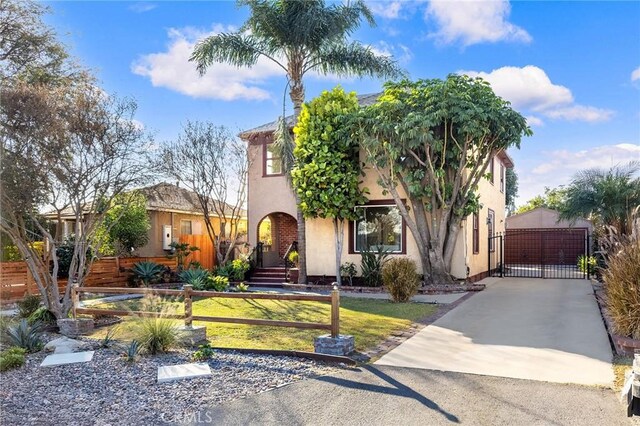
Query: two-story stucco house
[[272, 217]]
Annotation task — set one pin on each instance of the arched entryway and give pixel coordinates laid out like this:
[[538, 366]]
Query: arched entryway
[[276, 232]]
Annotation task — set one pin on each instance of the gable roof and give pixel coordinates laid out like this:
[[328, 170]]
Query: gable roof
[[164, 197]]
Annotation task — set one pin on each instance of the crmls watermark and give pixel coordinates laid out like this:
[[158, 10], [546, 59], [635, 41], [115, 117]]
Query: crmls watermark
[[199, 418]]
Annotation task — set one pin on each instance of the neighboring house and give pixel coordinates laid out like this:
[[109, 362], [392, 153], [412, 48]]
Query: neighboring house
[[272, 216], [174, 214], [544, 218]]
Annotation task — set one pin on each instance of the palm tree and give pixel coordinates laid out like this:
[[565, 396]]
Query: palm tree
[[608, 196], [299, 36]]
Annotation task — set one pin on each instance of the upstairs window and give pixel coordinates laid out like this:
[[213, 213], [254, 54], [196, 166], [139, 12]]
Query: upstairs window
[[272, 161], [476, 233], [379, 227], [502, 177]]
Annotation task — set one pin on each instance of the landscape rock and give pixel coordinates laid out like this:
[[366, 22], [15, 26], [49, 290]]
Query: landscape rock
[[64, 345]]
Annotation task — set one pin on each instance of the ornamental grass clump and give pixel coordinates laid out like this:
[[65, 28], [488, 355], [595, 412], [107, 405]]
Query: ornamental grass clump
[[156, 334], [400, 279], [622, 288]]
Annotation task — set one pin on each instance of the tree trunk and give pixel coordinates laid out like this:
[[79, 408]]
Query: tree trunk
[[338, 228], [297, 97]]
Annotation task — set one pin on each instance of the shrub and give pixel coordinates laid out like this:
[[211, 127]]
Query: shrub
[[147, 272], [239, 268], [43, 316], [587, 264], [109, 337], [242, 287], [293, 258], [12, 358], [156, 334], [65, 253], [195, 277], [622, 287], [371, 265], [131, 351], [28, 305], [348, 270], [203, 353], [26, 336], [400, 279], [217, 283], [181, 251]]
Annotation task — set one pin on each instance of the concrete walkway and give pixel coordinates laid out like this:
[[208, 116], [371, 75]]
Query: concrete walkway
[[380, 395], [536, 329]]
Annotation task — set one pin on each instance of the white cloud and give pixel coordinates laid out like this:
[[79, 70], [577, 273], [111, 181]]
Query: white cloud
[[530, 89], [532, 120], [171, 69], [580, 113], [472, 22], [142, 6], [399, 52], [386, 9], [635, 75], [559, 166]]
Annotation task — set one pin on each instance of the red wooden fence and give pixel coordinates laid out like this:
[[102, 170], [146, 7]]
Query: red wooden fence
[[207, 253], [16, 280]]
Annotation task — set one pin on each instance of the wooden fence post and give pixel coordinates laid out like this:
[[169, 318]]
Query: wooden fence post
[[74, 299], [335, 312], [188, 312]]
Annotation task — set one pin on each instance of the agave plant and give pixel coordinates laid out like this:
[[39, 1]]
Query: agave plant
[[195, 277], [147, 272], [26, 336], [131, 351]]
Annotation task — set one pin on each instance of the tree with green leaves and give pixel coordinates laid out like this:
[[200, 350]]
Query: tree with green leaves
[[127, 223], [608, 197], [511, 190], [327, 172], [300, 37], [553, 198], [434, 139]]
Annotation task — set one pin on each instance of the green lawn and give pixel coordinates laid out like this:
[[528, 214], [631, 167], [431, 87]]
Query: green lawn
[[369, 320]]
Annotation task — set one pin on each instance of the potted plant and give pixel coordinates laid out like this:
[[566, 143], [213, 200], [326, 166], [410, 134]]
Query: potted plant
[[294, 271]]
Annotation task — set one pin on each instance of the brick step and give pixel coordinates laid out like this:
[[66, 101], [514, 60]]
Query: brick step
[[270, 269], [279, 280], [263, 284], [268, 274]]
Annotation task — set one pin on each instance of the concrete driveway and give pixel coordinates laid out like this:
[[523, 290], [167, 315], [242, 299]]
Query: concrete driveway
[[525, 328]]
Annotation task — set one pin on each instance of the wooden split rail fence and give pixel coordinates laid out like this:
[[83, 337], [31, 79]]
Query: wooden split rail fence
[[188, 293]]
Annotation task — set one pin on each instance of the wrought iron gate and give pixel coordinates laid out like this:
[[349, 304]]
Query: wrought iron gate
[[539, 253]]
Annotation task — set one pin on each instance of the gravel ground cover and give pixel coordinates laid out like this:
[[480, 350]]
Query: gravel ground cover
[[110, 390]]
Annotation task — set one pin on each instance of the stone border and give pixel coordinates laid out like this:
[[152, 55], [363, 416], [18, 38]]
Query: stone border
[[623, 346], [297, 354], [429, 289], [400, 337]]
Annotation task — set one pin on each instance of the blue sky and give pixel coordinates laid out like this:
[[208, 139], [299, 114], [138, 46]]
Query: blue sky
[[572, 68]]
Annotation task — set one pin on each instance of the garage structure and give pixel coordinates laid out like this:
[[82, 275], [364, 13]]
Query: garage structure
[[538, 244]]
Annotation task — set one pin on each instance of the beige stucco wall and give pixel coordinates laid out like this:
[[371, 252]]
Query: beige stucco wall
[[491, 198], [265, 195], [271, 194], [544, 218]]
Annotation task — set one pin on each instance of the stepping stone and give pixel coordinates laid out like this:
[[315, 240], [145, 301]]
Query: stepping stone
[[182, 371], [71, 358]]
